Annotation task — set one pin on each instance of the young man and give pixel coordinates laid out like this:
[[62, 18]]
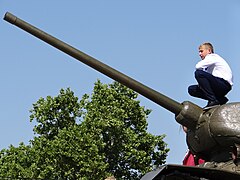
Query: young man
[[214, 77]]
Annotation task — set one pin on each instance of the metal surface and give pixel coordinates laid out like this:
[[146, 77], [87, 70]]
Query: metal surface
[[149, 93], [177, 172]]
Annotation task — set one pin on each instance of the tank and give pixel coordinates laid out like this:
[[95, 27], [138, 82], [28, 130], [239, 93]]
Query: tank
[[213, 134]]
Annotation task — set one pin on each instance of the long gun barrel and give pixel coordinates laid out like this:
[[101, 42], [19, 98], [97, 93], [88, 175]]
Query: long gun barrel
[[149, 93], [160, 99]]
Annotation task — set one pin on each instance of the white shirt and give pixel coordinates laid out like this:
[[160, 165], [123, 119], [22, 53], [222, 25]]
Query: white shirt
[[217, 66]]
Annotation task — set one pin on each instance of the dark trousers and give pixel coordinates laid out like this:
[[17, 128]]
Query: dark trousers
[[209, 87]]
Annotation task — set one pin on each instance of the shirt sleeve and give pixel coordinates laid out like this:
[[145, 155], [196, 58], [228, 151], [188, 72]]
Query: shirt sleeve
[[205, 63]]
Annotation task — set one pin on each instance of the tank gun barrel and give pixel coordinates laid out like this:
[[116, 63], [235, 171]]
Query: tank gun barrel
[[147, 92]]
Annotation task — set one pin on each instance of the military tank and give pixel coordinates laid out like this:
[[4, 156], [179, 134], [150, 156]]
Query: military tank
[[213, 134]]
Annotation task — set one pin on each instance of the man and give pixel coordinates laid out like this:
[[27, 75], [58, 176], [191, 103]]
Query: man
[[213, 75]]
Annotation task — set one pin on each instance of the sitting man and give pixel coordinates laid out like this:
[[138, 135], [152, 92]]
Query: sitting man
[[214, 77]]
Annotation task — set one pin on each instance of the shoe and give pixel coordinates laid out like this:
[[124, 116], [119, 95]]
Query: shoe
[[223, 100], [211, 104]]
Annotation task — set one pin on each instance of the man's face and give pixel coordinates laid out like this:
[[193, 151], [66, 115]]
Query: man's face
[[204, 51]]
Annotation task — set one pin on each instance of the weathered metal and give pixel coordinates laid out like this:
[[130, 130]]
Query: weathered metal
[[164, 101], [177, 172], [212, 134], [155, 96]]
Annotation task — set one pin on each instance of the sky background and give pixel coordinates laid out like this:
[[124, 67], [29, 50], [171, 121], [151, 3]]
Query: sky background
[[155, 42]]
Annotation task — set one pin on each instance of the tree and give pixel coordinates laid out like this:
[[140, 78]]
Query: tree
[[101, 135], [117, 118]]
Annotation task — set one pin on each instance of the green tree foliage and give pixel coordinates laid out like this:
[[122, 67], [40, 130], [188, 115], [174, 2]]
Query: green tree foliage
[[102, 134]]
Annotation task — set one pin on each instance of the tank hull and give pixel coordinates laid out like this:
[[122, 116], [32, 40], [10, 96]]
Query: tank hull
[[177, 172]]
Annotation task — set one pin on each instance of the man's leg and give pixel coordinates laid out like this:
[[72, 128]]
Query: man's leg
[[195, 91], [213, 87], [205, 80], [223, 100], [221, 88]]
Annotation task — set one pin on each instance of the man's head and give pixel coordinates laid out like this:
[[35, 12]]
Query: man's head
[[205, 49]]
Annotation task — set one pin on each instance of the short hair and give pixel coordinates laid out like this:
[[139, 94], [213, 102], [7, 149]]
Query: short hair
[[208, 45]]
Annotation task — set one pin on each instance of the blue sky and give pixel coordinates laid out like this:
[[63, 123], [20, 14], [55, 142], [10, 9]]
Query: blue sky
[[154, 42]]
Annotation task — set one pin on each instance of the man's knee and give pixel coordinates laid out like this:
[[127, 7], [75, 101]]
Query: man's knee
[[192, 90], [199, 73]]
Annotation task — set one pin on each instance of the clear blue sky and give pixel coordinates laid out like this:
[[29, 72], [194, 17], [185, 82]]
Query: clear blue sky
[[154, 42]]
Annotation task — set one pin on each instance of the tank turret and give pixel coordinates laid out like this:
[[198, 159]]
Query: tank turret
[[212, 134]]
